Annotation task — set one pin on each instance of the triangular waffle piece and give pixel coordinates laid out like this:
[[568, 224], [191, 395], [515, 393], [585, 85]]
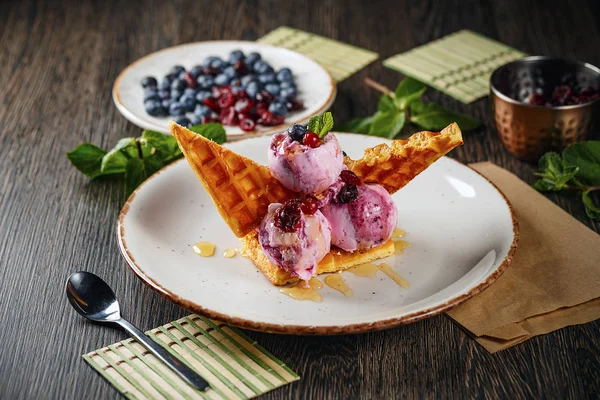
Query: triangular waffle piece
[[396, 165], [240, 188], [336, 260]]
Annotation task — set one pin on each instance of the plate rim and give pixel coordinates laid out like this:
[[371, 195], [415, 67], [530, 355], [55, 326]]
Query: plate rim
[[134, 119], [313, 330]]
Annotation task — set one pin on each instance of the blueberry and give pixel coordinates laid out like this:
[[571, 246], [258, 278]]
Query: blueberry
[[217, 63], [205, 81], [260, 67], [289, 93], [178, 84], [287, 84], [221, 79], [284, 74], [201, 95], [188, 101], [177, 69], [248, 78], [183, 121], [278, 108], [190, 91], [296, 132], [230, 72], [165, 84], [155, 108], [272, 88], [164, 94], [176, 109], [150, 95], [149, 81], [196, 70], [171, 77], [253, 88], [252, 58], [202, 111], [176, 94], [236, 55], [209, 60], [166, 103], [194, 120], [266, 78]]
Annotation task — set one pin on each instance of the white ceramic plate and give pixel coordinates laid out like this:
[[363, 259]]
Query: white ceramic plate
[[316, 88], [461, 228]]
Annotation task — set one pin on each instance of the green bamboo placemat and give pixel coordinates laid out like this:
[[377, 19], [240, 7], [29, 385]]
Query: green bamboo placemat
[[459, 64], [340, 59], [235, 366]]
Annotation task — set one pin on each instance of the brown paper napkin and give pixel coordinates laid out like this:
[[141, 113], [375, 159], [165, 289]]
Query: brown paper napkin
[[553, 281]]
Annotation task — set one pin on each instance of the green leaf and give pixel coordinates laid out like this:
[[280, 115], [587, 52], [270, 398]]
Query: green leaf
[[358, 125], [115, 161], [87, 158], [407, 91], [314, 125], [212, 130], [152, 164], [386, 103], [592, 210], [135, 174], [387, 124], [586, 156], [431, 116], [326, 124], [164, 144], [554, 173]]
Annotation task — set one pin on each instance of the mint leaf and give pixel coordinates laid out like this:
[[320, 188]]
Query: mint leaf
[[87, 158], [152, 164], [407, 91], [592, 210], [212, 130], [165, 144], [554, 173], [386, 103], [430, 116], [135, 174], [586, 156], [387, 124], [326, 124], [314, 125], [358, 125], [115, 160]]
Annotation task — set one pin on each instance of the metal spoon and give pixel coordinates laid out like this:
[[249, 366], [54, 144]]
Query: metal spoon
[[91, 297]]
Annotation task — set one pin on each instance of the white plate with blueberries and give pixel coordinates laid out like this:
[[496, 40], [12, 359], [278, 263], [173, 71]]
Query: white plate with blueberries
[[250, 88]]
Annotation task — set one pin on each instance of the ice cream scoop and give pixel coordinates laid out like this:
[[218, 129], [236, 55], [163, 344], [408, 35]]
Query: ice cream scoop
[[362, 223], [300, 245], [302, 168]]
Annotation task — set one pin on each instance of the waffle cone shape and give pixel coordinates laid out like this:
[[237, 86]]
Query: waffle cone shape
[[394, 166], [240, 188], [335, 261]]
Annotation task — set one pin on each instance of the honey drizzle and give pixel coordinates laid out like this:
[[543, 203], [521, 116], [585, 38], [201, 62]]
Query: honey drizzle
[[400, 246], [204, 249], [229, 253], [315, 283], [398, 233], [367, 270], [386, 269], [302, 291], [336, 282]]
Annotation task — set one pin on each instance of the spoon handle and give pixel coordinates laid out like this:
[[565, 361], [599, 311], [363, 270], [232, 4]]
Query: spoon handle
[[171, 361]]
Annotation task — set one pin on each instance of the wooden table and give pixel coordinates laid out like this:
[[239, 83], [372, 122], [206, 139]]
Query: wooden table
[[58, 61]]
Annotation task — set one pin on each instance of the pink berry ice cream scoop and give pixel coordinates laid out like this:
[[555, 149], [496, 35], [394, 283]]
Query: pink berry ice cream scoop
[[303, 162], [361, 216], [293, 240]]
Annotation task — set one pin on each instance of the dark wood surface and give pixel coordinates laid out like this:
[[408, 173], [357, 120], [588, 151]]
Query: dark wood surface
[[58, 61]]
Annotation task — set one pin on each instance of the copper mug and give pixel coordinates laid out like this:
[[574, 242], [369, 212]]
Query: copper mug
[[528, 131]]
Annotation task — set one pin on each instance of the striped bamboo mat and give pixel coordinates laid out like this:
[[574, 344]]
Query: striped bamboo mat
[[459, 64], [235, 366], [340, 59]]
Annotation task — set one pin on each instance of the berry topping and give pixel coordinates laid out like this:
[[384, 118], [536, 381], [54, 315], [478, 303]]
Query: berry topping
[[311, 139], [309, 206], [350, 177], [296, 132], [347, 194], [287, 217], [247, 124]]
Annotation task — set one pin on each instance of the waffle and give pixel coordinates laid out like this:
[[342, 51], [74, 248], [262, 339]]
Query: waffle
[[336, 260], [240, 188], [394, 166]]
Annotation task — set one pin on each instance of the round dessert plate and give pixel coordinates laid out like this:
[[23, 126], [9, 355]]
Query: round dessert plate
[[315, 86], [461, 229]]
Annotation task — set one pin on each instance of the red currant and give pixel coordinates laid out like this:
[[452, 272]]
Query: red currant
[[211, 103], [247, 124], [229, 116], [309, 206], [244, 105], [311, 139], [226, 100], [350, 177]]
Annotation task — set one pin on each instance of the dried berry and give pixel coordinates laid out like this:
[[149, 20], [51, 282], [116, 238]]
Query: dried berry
[[287, 217], [350, 177], [347, 194]]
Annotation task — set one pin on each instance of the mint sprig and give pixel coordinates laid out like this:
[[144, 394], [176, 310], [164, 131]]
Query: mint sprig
[[135, 159], [321, 124], [404, 105], [578, 168]]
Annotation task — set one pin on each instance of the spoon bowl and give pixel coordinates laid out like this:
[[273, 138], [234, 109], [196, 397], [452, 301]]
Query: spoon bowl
[[91, 297]]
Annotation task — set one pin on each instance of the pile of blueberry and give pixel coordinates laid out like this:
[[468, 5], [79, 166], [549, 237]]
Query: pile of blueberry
[[241, 91]]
